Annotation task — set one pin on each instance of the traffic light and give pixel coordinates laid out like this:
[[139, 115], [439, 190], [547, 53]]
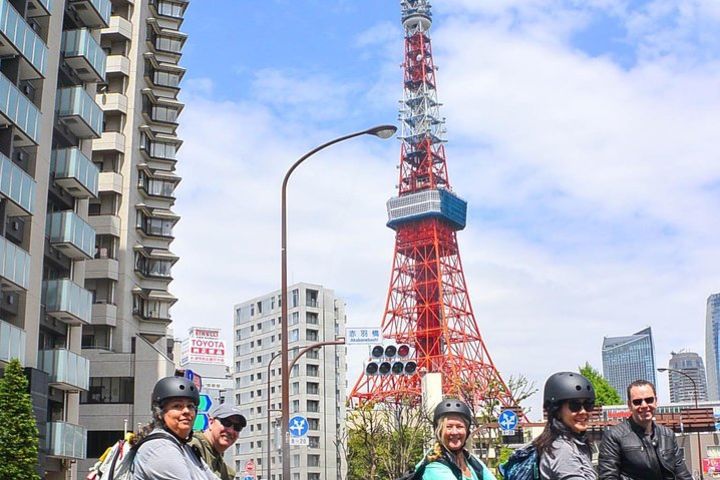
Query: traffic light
[[390, 359]]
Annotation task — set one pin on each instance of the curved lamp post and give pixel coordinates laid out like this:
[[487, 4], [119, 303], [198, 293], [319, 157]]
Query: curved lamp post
[[695, 394], [381, 131]]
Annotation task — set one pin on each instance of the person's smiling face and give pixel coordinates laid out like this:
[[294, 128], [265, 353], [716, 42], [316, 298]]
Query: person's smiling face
[[454, 433], [179, 415]]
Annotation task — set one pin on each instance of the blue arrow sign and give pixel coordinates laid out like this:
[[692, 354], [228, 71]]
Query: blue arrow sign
[[201, 422], [205, 403], [508, 420], [298, 426]]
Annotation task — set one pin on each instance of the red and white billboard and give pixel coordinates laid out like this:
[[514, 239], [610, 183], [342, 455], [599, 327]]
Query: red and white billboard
[[203, 346]]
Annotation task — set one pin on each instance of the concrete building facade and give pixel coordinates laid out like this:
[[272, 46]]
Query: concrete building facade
[[682, 388], [712, 346], [128, 342], [317, 382], [629, 358]]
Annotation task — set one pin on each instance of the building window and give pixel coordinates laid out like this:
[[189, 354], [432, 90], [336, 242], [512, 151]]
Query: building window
[[314, 442], [313, 424], [109, 390], [294, 335], [311, 318], [98, 441], [313, 406], [311, 298], [312, 371], [294, 298], [313, 461], [313, 354], [313, 388], [311, 335]]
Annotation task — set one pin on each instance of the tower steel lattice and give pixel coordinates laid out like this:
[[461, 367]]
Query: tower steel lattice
[[428, 306]]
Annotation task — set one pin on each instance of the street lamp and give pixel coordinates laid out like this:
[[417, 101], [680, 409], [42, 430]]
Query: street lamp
[[695, 394], [382, 131]]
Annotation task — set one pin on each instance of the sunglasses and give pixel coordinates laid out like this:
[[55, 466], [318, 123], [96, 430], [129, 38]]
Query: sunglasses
[[227, 423], [639, 401], [577, 405]]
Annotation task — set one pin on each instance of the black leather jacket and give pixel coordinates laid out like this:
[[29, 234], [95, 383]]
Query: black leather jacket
[[625, 454]]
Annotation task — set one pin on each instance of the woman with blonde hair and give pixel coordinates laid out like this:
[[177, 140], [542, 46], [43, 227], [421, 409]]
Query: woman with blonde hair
[[449, 459]]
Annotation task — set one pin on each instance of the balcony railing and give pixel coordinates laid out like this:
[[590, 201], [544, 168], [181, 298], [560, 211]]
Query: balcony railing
[[17, 186], [79, 112], [14, 27], [93, 13], [75, 172], [18, 108], [83, 54], [67, 301], [14, 264], [68, 370], [12, 342], [70, 234], [66, 440]]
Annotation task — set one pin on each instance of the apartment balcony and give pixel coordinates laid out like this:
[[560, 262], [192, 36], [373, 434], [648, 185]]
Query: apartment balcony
[[105, 224], [17, 109], [112, 101], [111, 182], [92, 13], [12, 342], [38, 8], [118, 28], [67, 370], [14, 266], [74, 172], [117, 64], [17, 186], [102, 268], [17, 38], [77, 110], [67, 301], [104, 314], [83, 54], [65, 440], [109, 141], [70, 234]]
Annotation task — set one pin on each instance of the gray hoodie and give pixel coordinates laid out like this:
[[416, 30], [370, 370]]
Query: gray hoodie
[[571, 459], [168, 459]]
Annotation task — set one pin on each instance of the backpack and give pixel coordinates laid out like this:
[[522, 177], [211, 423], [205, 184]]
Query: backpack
[[523, 464], [117, 461], [416, 474]]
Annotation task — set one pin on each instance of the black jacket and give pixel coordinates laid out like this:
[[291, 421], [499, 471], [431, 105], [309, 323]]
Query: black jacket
[[625, 454]]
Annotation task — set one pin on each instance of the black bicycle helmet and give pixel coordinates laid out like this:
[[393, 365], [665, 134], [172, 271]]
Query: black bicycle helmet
[[563, 386], [452, 406], [174, 387]]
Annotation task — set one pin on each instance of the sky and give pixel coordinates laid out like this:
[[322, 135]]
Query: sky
[[583, 135]]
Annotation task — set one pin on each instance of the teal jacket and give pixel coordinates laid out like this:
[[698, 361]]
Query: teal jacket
[[445, 468]]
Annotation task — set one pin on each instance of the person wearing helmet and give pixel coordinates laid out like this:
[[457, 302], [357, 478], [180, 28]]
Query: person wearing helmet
[[449, 459], [169, 456], [563, 447]]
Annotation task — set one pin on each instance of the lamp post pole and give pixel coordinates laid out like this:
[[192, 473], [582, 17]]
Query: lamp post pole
[[269, 437], [695, 394], [382, 131]]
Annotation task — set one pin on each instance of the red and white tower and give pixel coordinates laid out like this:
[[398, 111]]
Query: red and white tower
[[428, 306]]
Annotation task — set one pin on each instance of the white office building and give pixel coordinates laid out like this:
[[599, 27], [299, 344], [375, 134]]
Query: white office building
[[317, 382]]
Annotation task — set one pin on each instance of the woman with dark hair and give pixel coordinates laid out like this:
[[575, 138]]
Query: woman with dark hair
[[563, 447], [167, 455], [449, 460]]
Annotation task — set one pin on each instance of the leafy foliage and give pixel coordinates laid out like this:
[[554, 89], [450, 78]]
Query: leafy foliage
[[385, 440], [19, 433], [605, 394]]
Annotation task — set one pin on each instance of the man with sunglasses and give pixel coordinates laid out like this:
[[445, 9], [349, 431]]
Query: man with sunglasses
[[226, 422], [638, 448]]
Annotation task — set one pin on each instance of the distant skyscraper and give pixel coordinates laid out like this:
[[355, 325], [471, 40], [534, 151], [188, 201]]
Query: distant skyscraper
[[630, 358], [681, 388], [712, 345]]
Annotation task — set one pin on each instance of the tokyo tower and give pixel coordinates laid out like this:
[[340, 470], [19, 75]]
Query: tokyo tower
[[428, 306]]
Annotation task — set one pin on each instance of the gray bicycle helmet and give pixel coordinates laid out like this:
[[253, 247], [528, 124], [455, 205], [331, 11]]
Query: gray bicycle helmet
[[563, 386], [452, 406], [174, 387]]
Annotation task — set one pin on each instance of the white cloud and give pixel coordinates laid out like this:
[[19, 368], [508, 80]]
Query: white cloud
[[590, 187]]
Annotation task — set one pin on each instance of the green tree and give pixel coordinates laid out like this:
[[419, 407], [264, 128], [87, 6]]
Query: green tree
[[605, 394], [19, 433]]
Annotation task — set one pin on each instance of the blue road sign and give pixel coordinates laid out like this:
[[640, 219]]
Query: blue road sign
[[298, 426], [201, 422], [248, 477], [205, 403], [508, 420]]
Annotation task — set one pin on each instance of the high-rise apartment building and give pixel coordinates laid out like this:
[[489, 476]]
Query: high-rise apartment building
[[88, 112], [682, 388], [317, 381], [629, 358], [712, 346]]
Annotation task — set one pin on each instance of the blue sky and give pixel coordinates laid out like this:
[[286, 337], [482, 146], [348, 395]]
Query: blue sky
[[582, 134]]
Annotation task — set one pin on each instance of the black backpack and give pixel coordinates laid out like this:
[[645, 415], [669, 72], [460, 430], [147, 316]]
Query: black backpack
[[416, 474]]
